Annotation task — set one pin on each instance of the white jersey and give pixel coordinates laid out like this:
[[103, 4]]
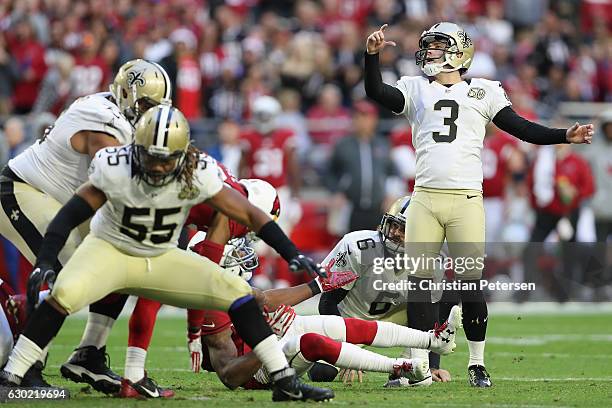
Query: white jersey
[[138, 219], [51, 165], [357, 251], [448, 128]]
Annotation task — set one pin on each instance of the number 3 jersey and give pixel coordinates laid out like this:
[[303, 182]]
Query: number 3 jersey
[[448, 128], [51, 164], [367, 299], [138, 219]]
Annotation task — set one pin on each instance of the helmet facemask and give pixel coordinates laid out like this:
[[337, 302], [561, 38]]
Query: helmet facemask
[[239, 258], [447, 54], [156, 167], [392, 228]]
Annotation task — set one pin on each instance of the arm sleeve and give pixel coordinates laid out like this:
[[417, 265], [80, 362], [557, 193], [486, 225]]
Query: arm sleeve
[[72, 214], [509, 121], [328, 305], [388, 96]]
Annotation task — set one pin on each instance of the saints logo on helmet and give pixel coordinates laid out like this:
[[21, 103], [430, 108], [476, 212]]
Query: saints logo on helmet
[[393, 225], [445, 47], [161, 140], [140, 85]]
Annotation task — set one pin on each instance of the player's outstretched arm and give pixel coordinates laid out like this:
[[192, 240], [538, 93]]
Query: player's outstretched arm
[[237, 207], [388, 96], [511, 122], [76, 211]]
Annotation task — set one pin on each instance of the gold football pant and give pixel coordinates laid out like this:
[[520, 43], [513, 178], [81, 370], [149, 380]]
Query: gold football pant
[[25, 215], [455, 215], [178, 278]]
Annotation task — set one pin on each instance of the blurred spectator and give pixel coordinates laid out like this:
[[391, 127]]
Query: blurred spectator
[[91, 73], [292, 118], [560, 181], [228, 151], [15, 135], [359, 169], [403, 155], [57, 87], [184, 71], [29, 56], [8, 76], [328, 120]]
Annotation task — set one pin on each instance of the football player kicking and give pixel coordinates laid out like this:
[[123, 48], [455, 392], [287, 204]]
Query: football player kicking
[[220, 229], [307, 339], [448, 116], [139, 196], [35, 184]]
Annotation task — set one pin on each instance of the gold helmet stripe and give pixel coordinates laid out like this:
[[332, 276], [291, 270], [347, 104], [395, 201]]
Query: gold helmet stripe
[[168, 88]]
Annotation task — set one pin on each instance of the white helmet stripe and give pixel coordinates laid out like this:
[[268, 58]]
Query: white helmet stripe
[[168, 93], [161, 127]]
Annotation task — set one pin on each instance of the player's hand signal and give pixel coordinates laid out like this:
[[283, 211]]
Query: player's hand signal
[[580, 133], [376, 41]]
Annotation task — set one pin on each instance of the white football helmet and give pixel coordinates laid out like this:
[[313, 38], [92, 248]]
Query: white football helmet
[[265, 112], [239, 258], [263, 196], [456, 55]]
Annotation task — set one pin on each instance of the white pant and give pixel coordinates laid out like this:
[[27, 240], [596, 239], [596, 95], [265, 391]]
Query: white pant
[[329, 326]]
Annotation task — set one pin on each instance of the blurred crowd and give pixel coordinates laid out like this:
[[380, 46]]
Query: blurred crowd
[[223, 56]]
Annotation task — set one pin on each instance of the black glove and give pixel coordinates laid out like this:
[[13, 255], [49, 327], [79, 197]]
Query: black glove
[[302, 262], [41, 274]]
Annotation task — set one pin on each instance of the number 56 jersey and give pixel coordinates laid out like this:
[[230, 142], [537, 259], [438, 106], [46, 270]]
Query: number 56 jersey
[[448, 128], [138, 219]]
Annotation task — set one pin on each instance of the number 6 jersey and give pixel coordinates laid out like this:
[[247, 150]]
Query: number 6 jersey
[[367, 299], [138, 219], [448, 128]]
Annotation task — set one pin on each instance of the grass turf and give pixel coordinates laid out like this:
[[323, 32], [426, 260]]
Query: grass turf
[[535, 361]]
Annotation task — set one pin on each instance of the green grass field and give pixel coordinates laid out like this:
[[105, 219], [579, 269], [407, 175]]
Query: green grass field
[[534, 360]]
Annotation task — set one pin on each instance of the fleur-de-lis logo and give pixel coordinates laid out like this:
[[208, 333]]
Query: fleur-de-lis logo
[[465, 40], [135, 78]]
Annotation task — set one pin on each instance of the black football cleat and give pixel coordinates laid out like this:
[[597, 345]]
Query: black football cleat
[[88, 365], [9, 380], [34, 378], [287, 387], [479, 377]]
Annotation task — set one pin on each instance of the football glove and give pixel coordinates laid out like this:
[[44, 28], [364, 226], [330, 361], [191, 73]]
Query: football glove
[[194, 344], [280, 320], [335, 280], [40, 275], [302, 262]]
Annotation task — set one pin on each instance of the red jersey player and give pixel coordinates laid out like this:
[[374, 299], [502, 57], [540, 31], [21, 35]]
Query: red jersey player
[[269, 154]]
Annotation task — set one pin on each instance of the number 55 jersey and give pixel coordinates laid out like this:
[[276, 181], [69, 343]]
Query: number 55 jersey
[[138, 219], [448, 128]]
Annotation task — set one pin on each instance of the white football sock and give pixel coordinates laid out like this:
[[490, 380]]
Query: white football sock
[[43, 356], [269, 352], [476, 352], [355, 358], [97, 330], [135, 359], [23, 356], [392, 335], [416, 353]]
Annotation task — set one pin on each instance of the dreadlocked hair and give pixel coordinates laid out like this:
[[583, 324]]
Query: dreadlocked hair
[[192, 156]]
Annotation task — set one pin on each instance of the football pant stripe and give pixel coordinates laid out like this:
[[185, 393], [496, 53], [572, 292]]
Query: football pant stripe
[[24, 227]]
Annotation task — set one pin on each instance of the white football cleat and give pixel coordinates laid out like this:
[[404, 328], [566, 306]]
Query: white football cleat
[[443, 336], [411, 372]]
